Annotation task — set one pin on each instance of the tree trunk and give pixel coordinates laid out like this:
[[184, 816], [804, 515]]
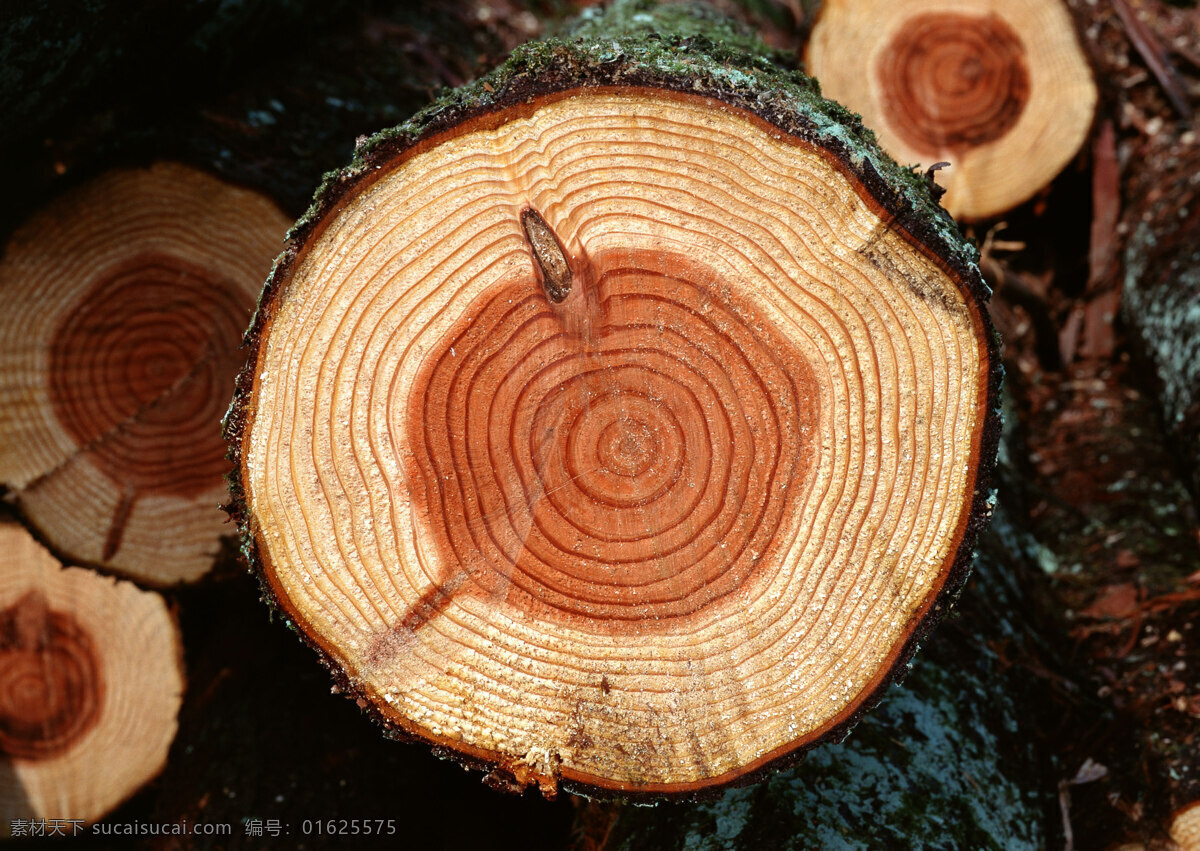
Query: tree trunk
[[263, 746], [1000, 94], [128, 294], [125, 301], [1161, 299], [1161, 303], [90, 685], [956, 756], [623, 420]]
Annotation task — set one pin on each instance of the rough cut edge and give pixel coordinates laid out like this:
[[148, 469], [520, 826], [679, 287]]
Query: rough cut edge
[[180, 661], [965, 721], [689, 65], [226, 555]]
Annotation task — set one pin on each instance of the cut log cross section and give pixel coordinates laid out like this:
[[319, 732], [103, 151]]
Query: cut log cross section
[[645, 437], [51, 685], [615, 437], [125, 302], [951, 82], [136, 369], [90, 685], [1000, 91]]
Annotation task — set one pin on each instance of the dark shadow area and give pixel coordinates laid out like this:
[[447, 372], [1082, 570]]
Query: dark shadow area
[[262, 740]]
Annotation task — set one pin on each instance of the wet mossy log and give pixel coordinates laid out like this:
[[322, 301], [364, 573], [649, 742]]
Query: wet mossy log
[[1161, 295], [91, 679], [1161, 304], [623, 420], [957, 756], [1000, 91], [124, 302]]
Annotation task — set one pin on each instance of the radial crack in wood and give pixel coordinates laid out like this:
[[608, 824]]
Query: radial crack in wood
[[125, 301], [90, 685], [668, 551], [1002, 92]]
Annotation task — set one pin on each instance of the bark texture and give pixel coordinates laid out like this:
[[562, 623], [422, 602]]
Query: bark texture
[[958, 755], [1161, 298]]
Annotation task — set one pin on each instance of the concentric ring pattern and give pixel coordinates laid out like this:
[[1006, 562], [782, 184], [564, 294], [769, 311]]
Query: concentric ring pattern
[[952, 82], [90, 685], [637, 476], [51, 683], [125, 301], [654, 535], [139, 370], [1000, 91]]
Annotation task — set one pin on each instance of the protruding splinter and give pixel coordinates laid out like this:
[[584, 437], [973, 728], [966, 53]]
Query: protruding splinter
[[549, 253]]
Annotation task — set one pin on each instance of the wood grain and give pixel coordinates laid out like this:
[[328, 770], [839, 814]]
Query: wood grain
[[653, 536], [1002, 92], [125, 300], [90, 685]]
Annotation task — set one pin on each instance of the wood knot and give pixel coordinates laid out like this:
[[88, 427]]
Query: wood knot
[[551, 258]]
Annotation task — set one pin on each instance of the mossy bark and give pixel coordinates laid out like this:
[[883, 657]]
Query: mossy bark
[[687, 48], [1152, 514], [958, 755], [1161, 298]]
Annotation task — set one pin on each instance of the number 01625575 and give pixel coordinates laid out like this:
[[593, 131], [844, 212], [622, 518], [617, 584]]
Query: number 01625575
[[348, 827]]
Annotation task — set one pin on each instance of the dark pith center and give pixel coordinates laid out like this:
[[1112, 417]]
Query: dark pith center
[[51, 689], [950, 81], [640, 470]]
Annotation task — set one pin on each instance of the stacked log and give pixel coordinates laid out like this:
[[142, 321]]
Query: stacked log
[[1001, 93], [125, 302], [91, 681]]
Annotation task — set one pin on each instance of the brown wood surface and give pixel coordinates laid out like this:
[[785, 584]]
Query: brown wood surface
[[1000, 92], [125, 300], [616, 439], [1118, 566], [90, 685]]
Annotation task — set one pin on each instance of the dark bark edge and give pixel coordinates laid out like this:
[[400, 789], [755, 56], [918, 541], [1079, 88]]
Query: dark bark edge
[[694, 66]]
